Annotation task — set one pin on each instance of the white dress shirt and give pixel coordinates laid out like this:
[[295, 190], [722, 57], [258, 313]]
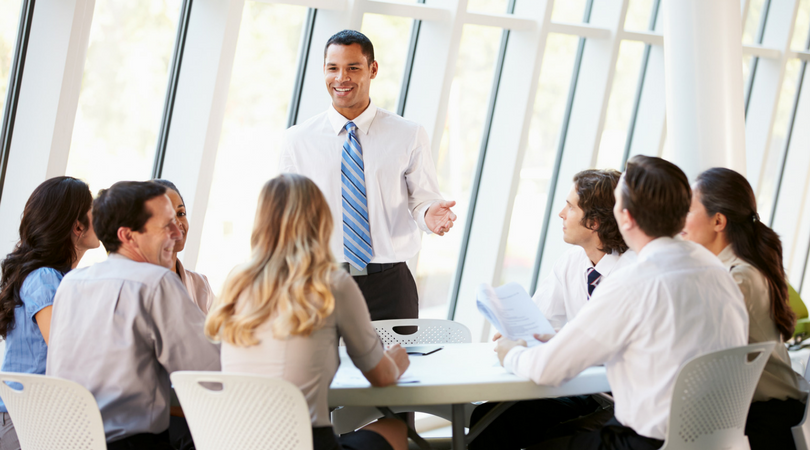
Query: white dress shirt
[[399, 173], [643, 323], [564, 291]]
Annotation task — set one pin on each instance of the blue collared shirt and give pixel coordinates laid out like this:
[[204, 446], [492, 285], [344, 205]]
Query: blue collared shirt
[[26, 350]]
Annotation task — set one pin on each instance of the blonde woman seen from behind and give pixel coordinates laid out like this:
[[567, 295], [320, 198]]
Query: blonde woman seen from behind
[[282, 313]]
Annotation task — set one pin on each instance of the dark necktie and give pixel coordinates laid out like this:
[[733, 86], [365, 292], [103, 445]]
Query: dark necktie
[[594, 278]]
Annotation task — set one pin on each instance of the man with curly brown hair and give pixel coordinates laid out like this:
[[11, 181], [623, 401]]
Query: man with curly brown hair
[[599, 249]]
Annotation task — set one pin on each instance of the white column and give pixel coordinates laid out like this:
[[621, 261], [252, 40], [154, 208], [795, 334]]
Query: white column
[[199, 109], [49, 96], [704, 85], [501, 176]]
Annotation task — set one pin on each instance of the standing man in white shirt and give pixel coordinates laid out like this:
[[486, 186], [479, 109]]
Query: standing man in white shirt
[[645, 321], [598, 251], [376, 171]]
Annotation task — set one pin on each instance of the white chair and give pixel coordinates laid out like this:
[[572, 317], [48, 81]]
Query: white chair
[[248, 412], [429, 331], [711, 398], [801, 432], [52, 413]]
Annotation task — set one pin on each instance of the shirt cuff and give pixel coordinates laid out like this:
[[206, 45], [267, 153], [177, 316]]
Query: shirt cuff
[[511, 361], [420, 217]]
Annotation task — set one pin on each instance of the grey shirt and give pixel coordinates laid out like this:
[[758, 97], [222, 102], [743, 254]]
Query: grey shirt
[[310, 362], [119, 328]]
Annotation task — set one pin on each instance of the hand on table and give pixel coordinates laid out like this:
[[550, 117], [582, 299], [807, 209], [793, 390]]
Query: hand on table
[[399, 356], [439, 218], [504, 345]]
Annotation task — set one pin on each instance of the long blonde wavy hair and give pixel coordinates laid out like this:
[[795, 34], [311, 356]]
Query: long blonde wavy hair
[[288, 273]]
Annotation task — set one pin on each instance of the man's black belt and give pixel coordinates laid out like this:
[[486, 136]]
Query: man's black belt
[[371, 268]]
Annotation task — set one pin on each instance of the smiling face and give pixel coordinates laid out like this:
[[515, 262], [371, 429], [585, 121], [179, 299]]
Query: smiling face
[[699, 227], [348, 76], [182, 219], [155, 243]]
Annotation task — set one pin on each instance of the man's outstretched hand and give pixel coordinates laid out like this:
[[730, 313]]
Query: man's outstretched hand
[[439, 218]]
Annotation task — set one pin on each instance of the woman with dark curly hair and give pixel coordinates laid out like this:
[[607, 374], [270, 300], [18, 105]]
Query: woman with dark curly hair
[[55, 232]]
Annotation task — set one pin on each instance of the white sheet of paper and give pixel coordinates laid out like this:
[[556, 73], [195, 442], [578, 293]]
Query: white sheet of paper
[[512, 312]]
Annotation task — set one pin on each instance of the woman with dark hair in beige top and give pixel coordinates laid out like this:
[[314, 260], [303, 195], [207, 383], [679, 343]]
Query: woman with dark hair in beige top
[[196, 283], [282, 313], [723, 218]]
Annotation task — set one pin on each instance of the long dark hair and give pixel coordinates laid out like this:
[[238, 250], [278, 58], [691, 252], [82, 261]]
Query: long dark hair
[[727, 192], [45, 239]]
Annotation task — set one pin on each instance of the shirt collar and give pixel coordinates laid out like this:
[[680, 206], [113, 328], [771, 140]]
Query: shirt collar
[[607, 263], [363, 121], [727, 256], [653, 246]]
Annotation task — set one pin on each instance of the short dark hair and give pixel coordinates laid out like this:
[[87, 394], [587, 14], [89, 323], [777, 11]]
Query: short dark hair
[[123, 205], [349, 37], [657, 195], [169, 185], [595, 191]]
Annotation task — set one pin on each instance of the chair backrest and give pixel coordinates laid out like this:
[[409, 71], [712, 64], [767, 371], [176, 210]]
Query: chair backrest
[[796, 303], [250, 411], [711, 398], [51, 413], [429, 331]]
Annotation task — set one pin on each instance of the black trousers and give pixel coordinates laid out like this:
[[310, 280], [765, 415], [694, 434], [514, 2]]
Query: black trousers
[[612, 436], [530, 422], [323, 438], [390, 294], [143, 441], [768, 425]]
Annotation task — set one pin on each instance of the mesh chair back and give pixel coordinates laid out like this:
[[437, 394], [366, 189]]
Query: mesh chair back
[[711, 398], [249, 412], [430, 331], [50, 413]]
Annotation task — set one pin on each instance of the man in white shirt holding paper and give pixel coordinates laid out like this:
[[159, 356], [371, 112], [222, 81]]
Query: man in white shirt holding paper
[[644, 322], [598, 251], [377, 174]]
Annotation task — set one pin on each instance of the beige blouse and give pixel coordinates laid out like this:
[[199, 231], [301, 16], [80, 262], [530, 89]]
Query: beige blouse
[[310, 362], [779, 380], [198, 288]]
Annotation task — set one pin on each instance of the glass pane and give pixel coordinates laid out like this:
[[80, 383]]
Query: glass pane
[[776, 147], [249, 147], [638, 15], [568, 11], [387, 33], [122, 95], [488, 6], [457, 160], [802, 27], [620, 106], [538, 162], [9, 22], [746, 67], [751, 26]]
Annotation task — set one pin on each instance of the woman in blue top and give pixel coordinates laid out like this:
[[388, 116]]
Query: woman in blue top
[[55, 232]]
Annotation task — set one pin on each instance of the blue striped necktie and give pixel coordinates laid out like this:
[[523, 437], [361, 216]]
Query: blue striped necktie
[[356, 231], [594, 278]]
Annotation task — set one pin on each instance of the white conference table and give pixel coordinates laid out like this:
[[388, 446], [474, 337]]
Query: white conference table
[[456, 375]]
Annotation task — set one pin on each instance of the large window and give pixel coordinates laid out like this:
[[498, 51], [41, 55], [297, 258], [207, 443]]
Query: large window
[[9, 22], [255, 118], [122, 95], [389, 36], [457, 159], [538, 162]]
